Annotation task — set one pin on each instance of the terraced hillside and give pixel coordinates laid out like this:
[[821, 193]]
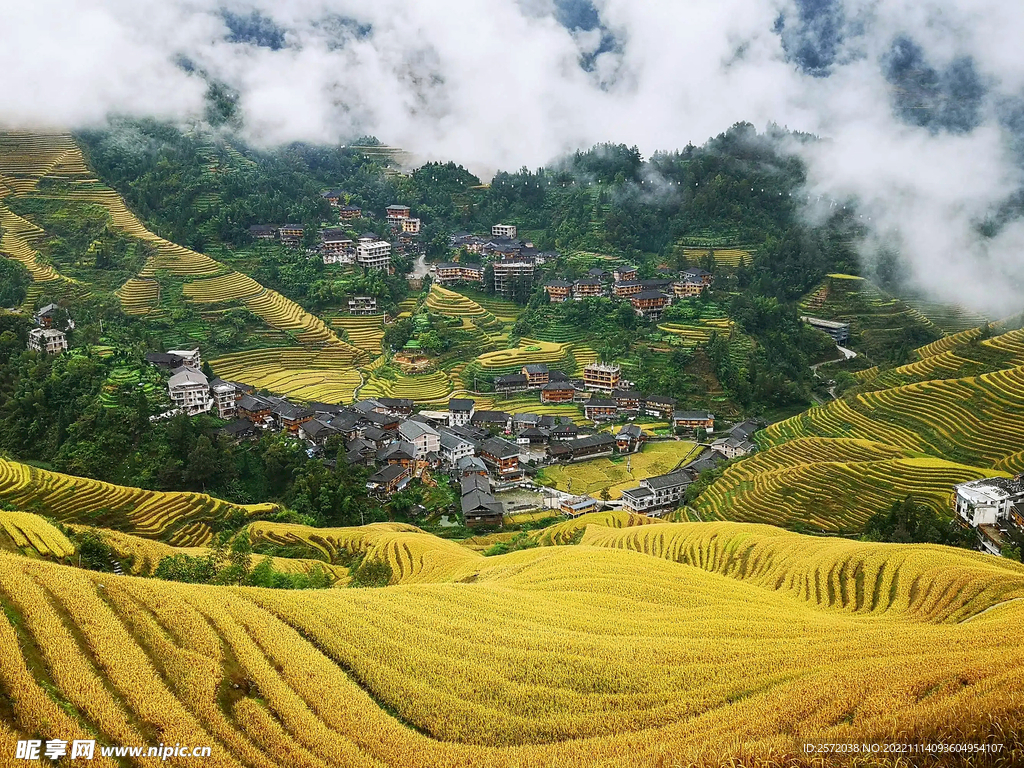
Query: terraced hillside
[[37, 167], [531, 658], [324, 374], [182, 519], [950, 416]]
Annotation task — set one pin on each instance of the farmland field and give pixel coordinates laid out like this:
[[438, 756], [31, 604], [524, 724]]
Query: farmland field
[[590, 477], [731, 621]]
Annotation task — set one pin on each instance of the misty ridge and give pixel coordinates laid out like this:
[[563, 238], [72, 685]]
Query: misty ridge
[[908, 116]]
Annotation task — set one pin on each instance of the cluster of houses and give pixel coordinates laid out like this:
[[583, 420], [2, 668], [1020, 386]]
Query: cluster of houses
[[512, 260], [993, 507], [603, 395], [649, 298], [337, 246], [46, 337]]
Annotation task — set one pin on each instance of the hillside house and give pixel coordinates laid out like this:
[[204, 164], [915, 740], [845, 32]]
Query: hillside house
[[389, 480], [411, 226], [597, 273], [626, 288], [693, 420], [349, 212], [650, 304], [587, 288], [630, 439], [334, 197], [840, 332], [989, 500], [189, 391], [659, 406], [533, 436], [471, 465], [589, 447], [687, 289], [335, 242], [627, 399], [460, 411], [454, 447], [238, 430], [48, 341], [396, 213], [600, 410], [565, 432], [502, 457], [374, 254], [557, 392], [190, 358], [362, 305], [316, 431], [54, 316], [455, 272], [558, 291], [537, 375], [577, 505], [226, 395], [394, 406], [513, 382], [291, 417], [733, 447], [255, 408], [698, 275], [656, 495], [263, 231], [508, 272], [398, 452], [291, 234], [504, 230], [481, 510], [492, 421], [602, 376], [423, 436], [624, 274]]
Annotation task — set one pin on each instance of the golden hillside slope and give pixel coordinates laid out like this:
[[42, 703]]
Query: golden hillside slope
[[559, 656]]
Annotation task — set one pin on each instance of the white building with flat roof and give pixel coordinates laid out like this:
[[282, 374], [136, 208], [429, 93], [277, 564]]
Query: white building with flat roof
[[988, 501], [374, 254], [190, 391], [504, 230], [48, 340]]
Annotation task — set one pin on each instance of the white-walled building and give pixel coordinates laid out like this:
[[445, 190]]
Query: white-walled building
[[423, 436], [190, 358], [988, 501], [190, 391], [411, 226], [460, 411], [504, 230], [48, 340], [374, 254]]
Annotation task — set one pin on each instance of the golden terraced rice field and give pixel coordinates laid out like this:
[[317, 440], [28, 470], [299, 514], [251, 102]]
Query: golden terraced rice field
[[324, 374], [650, 645]]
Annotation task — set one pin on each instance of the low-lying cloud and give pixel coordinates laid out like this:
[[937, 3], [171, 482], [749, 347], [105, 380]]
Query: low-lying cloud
[[920, 101]]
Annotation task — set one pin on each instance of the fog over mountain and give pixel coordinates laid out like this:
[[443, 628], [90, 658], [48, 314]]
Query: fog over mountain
[[920, 104]]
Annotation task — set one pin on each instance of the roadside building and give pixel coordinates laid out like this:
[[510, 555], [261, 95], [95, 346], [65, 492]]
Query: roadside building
[[513, 382], [659, 406], [733, 447], [839, 331], [537, 375]]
